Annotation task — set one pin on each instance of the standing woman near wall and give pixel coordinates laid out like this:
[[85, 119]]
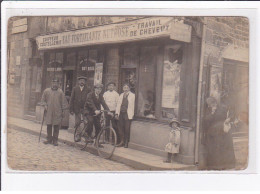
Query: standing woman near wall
[[219, 142]]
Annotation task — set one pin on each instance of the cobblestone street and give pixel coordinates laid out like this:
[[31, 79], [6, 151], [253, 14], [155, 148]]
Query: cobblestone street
[[25, 153]]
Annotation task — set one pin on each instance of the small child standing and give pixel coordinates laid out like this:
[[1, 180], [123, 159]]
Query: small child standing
[[174, 140]]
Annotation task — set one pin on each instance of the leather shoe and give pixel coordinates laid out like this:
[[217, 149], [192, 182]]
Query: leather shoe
[[55, 143], [47, 142]]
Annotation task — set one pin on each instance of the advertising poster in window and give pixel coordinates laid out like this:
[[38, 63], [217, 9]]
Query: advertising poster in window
[[98, 73], [215, 82], [171, 85]]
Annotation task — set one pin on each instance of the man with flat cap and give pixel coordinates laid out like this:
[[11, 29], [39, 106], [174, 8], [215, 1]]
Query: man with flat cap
[[55, 103], [93, 107], [78, 99]]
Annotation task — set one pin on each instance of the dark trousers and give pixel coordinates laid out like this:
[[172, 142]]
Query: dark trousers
[[124, 126], [93, 120], [77, 118], [53, 138], [114, 125]]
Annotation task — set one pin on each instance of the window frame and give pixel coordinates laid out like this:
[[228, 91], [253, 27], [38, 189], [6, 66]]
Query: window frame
[[161, 44]]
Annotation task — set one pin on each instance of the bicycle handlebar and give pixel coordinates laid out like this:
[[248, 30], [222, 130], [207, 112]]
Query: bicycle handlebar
[[102, 111]]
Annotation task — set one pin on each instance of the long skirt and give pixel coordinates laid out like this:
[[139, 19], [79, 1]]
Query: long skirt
[[220, 155]]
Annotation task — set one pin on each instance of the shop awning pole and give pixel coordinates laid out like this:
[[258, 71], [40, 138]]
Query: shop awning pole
[[197, 140]]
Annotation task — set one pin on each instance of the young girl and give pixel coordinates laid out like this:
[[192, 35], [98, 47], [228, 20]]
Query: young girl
[[174, 140]]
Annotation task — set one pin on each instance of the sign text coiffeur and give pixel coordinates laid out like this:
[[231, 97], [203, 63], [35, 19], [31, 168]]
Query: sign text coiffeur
[[138, 29]]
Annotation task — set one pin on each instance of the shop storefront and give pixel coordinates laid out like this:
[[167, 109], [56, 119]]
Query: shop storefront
[[158, 56]]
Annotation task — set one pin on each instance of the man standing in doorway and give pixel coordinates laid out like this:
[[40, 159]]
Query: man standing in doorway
[[78, 99], [55, 103]]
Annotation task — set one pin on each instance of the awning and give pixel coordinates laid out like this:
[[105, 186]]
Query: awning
[[146, 28]]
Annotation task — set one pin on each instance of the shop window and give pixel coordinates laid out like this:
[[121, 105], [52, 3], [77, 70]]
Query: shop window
[[87, 60], [171, 81], [54, 67], [131, 60], [146, 82], [129, 76], [71, 59]]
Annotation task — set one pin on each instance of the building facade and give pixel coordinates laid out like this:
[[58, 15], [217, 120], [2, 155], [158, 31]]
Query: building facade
[[160, 57]]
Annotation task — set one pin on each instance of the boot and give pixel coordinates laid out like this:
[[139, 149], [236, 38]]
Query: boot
[[169, 158], [126, 145]]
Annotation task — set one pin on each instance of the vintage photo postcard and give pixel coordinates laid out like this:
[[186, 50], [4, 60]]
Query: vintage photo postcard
[[127, 93]]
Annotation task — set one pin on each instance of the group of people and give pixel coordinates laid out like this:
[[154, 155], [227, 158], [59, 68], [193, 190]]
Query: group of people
[[86, 103]]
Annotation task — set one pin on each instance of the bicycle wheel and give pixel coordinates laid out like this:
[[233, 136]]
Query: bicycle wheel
[[79, 138], [106, 142]]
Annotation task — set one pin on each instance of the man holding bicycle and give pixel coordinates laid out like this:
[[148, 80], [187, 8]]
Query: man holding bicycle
[[93, 109]]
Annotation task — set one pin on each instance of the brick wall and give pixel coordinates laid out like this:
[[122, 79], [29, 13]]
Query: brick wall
[[225, 37]]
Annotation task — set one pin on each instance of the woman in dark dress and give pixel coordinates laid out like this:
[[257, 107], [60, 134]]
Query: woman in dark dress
[[220, 150]]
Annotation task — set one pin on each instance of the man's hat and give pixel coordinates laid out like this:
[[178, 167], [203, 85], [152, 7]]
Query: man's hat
[[82, 77], [111, 83], [174, 120], [98, 86]]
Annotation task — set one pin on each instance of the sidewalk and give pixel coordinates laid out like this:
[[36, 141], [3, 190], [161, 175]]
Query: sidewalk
[[136, 159]]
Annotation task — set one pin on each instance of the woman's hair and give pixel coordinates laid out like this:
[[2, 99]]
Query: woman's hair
[[211, 100]]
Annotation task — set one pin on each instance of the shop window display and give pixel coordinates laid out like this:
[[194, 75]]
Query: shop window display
[[146, 84], [171, 81], [131, 59], [54, 67]]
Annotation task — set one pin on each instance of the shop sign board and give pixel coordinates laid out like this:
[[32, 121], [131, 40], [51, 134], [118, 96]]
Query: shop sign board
[[88, 68], [19, 26], [126, 31], [54, 69], [181, 32]]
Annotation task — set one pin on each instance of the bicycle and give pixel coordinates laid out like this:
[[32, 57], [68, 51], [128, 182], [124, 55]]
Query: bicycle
[[106, 140]]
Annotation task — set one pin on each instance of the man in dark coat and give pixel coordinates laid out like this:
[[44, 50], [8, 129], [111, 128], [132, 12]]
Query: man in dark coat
[[92, 108], [78, 99], [55, 103], [220, 155]]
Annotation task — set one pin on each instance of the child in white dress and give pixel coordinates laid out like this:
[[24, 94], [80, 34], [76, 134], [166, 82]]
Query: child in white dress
[[174, 140]]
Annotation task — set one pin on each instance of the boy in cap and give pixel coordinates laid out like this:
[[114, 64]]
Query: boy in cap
[[174, 140], [78, 99], [55, 103]]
